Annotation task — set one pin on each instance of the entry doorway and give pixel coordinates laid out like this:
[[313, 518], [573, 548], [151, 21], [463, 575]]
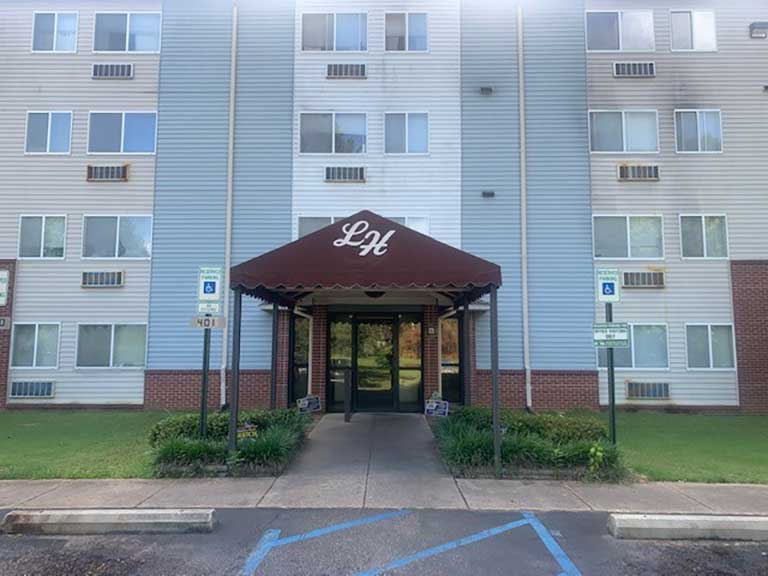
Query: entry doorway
[[379, 356]]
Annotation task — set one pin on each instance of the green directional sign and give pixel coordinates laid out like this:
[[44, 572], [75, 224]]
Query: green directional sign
[[611, 335]]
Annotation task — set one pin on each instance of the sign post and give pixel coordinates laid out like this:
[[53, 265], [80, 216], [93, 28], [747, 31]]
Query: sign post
[[610, 335], [208, 303]]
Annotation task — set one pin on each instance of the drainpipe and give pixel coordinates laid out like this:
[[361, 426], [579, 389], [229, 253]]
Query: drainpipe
[[230, 201], [523, 209]]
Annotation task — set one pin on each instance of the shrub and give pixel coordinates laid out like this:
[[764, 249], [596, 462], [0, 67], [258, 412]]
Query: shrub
[[190, 451], [272, 447]]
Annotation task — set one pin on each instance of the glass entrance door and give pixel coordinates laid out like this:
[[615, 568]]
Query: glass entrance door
[[375, 354]]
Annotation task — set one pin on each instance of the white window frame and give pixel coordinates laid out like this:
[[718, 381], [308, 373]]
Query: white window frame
[[704, 236], [42, 237], [709, 326], [48, 135], [333, 134], [122, 133], [407, 115], [698, 130], [621, 31], [627, 218], [336, 218], [127, 32], [407, 34], [111, 346], [693, 31], [55, 31], [335, 28], [117, 237], [34, 354], [623, 112], [634, 368]]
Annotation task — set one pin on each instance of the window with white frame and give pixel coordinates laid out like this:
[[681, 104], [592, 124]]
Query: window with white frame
[[48, 132], [648, 349], [339, 32], [627, 30], [704, 236], [54, 32], [623, 131], [406, 32], [127, 32], [710, 346], [117, 237], [122, 132], [698, 131], [629, 237], [406, 133], [309, 224], [693, 30], [332, 133], [35, 345], [42, 236], [111, 345]]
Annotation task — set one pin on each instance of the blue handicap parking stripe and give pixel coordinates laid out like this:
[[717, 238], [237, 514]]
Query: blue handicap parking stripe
[[568, 567]]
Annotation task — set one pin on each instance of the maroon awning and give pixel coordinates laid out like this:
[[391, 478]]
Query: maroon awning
[[365, 252]]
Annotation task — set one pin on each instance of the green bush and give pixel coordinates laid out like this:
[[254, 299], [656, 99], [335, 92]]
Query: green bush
[[272, 447], [190, 451]]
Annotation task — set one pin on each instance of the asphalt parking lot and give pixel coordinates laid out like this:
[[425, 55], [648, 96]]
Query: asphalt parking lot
[[366, 543]]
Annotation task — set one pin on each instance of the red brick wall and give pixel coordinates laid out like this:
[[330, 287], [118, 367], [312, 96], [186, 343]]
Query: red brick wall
[[431, 359], [749, 281], [5, 335], [319, 351], [180, 389]]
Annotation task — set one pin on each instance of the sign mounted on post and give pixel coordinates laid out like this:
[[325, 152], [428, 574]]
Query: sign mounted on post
[[611, 335], [4, 288], [209, 289], [608, 285], [208, 322]]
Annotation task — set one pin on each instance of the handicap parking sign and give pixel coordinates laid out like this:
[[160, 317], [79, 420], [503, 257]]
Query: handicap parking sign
[[209, 287], [608, 289]]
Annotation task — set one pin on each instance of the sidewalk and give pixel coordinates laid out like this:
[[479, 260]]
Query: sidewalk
[[464, 494]]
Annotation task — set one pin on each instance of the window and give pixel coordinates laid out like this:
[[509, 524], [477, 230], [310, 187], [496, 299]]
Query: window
[[622, 131], [122, 133], [48, 132], [127, 32], [406, 32], [647, 349], [42, 236], [309, 224], [54, 32], [693, 30], [698, 131], [111, 345], [406, 133], [629, 237], [340, 32], [630, 31], [333, 133], [35, 346], [704, 236], [117, 237], [710, 346]]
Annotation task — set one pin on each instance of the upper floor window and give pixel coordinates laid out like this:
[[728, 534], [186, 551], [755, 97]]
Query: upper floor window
[[35, 346], [406, 32], [127, 32], [340, 32], [48, 132], [629, 237], [122, 132], [626, 30], [406, 133], [623, 131], [332, 133], [698, 131], [704, 236], [111, 345], [117, 237], [54, 32], [647, 349], [42, 236], [309, 224], [693, 30], [710, 346]]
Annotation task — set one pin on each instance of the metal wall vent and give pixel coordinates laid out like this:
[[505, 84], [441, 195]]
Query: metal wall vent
[[32, 390], [643, 280], [107, 173], [634, 69], [112, 71], [648, 390], [345, 174], [346, 71], [638, 172], [114, 279]]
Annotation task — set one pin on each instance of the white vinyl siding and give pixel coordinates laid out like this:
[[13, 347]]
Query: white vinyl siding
[[692, 30], [35, 345], [124, 237], [698, 131], [625, 31], [111, 345], [137, 32], [54, 32], [648, 349], [48, 132], [710, 347], [628, 237], [122, 132], [703, 236], [340, 32], [42, 237], [623, 131]]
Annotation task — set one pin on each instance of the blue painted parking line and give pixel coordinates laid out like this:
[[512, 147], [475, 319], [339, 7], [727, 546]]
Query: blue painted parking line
[[568, 567]]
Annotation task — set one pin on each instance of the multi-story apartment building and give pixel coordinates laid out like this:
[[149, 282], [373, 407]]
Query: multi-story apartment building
[[141, 142]]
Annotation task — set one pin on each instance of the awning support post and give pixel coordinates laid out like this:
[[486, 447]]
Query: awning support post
[[273, 384], [467, 376], [495, 381], [234, 395]]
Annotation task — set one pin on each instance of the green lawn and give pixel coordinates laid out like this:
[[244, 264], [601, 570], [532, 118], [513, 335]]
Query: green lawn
[[695, 448], [75, 444]]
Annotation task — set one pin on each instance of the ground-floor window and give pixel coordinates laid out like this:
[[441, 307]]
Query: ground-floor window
[[647, 349], [451, 376], [710, 346], [300, 357]]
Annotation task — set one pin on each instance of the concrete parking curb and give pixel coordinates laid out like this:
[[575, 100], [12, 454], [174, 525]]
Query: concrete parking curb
[[688, 527], [108, 521]]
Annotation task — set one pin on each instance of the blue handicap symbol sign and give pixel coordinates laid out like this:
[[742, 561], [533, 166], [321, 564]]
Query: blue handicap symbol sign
[[609, 288], [209, 287]]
